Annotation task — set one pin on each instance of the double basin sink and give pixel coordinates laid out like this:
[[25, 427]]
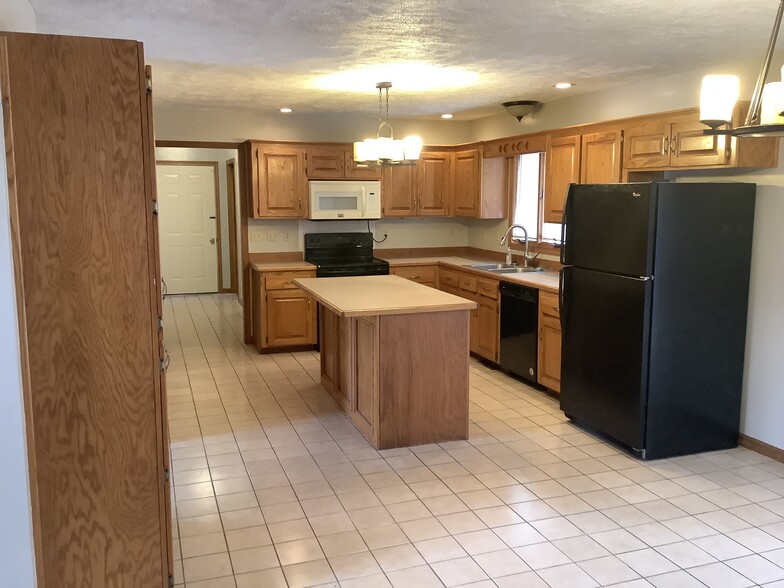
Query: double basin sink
[[502, 268]]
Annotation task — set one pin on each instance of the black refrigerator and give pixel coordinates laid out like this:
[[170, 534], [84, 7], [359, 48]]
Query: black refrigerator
[[654, 297]]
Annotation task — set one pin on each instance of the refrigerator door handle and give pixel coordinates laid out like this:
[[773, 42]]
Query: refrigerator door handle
[[564, 222], [561, 298]]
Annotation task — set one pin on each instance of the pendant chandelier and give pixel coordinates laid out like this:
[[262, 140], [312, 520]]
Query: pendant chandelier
[[383, 150], [766, 111]]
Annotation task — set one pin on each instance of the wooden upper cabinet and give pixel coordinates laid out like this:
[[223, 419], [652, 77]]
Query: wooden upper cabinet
[[646, 145], [689, 146], [336, 162], [279, 184], [398, 190], [433, 185], [600, 158], [467, 182], [324, 163], [563, 169]]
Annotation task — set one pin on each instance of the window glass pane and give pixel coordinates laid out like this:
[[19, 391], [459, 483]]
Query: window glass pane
[[526, 209], [551, 232]]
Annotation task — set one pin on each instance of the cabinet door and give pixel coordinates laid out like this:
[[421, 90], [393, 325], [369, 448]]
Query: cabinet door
[[433, 184], [398, 190], [324, 163], [466, 182], [689, 147], [600, 158], [563, 168], [290, 318], [280, 181], [550, 352], [353, 172], [487, 329], [646, 146], [365, 404]]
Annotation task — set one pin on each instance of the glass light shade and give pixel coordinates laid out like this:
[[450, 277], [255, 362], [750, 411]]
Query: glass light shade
[[772, 104], [371, 149], [412, 147], [718, 96], [360, 151], [384, 149]]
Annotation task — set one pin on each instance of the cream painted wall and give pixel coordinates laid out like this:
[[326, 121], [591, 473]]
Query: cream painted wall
[[17, 557], [182, 123], [221, 156]]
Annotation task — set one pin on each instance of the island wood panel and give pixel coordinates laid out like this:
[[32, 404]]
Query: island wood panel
[[87, 268], [423, 378], [366, 384], [330, 366]]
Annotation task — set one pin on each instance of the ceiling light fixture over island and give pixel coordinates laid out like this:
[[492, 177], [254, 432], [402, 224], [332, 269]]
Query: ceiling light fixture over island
[[394, 357]]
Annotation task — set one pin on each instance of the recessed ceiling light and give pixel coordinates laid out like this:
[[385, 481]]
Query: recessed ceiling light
[[446, 116], [285, 110], [563, 85]]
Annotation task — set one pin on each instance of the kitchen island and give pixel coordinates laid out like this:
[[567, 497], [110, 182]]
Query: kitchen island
[[394, 357]]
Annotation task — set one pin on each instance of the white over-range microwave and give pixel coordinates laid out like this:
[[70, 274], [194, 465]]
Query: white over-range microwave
[[338, 200]]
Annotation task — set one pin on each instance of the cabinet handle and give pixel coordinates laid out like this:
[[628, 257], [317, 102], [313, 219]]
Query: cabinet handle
[[674, 145], [414, 278], [665, 145], [287, 283]]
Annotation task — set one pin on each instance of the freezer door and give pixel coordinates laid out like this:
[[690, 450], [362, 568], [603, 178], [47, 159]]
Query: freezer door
[[610, 228], [606, 325]]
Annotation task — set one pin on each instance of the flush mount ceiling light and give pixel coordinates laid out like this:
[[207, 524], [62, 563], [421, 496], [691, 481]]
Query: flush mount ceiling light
[[386, 151], [522, 108], [563, 85], [446, 115], [766, 111], [285, 110]]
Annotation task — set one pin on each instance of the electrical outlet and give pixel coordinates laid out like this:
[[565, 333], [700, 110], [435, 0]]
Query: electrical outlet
[[272, 235], [256, 236]]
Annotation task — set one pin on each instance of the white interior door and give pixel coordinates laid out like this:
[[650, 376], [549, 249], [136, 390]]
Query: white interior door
[[188, 228]]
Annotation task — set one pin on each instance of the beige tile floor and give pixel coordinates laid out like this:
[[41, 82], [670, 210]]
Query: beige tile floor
[[273, 487]]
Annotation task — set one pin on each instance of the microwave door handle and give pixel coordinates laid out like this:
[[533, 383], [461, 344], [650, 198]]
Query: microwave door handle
[[364, 202]]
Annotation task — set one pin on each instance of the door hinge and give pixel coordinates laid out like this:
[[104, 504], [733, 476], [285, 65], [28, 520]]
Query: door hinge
[[149, 84], [171, 581], [155, 207], [166, 474], [160, 323], [162, 365]]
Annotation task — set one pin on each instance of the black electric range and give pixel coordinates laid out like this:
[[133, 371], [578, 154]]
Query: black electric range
[[343, 254]]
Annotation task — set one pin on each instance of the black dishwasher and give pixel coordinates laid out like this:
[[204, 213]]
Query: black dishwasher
[[519, 330]]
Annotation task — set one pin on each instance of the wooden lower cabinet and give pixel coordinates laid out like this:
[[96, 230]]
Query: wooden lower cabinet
[[549, 357], [284, 315], [390, 374], [484, 324], [427, 275]]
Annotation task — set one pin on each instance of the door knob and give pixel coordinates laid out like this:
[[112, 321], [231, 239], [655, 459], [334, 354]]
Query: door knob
[[212, 241]]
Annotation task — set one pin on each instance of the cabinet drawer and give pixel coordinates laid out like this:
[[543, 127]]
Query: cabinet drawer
[[548, 304], [468, 282], [418, 273], [450, 278], [285, 281], [487, 288]]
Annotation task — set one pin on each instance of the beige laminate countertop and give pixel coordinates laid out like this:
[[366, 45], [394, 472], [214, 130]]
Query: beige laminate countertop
[[282, 266], [546, 280], [379, 295]]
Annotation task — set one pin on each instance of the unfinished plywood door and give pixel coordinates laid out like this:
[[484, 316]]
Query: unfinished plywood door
[[188, 228]]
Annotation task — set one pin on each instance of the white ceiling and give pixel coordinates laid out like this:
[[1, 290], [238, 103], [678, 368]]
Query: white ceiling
[[264, 54]]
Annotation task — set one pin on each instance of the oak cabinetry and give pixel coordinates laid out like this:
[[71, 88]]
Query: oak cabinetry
[[278, 182], [466, 182], [677, 141], [422, 189], [563, 168], [600, 158], [549, 359], [80, 160], [484, 327], [335, 162], [427, 275], [284, 315]]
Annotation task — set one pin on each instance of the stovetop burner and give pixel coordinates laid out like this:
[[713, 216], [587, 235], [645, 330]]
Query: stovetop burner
[[343, 254]]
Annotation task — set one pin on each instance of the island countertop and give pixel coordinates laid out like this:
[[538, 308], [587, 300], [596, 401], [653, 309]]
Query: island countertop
[[379, 295]]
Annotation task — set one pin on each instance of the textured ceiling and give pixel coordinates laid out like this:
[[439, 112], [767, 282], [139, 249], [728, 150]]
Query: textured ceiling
[[264, 54]]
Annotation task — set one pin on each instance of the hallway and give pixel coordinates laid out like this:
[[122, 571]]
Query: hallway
[[273, 487]]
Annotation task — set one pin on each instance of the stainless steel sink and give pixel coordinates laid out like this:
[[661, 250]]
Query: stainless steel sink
[[515, 270], [502, 268]]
